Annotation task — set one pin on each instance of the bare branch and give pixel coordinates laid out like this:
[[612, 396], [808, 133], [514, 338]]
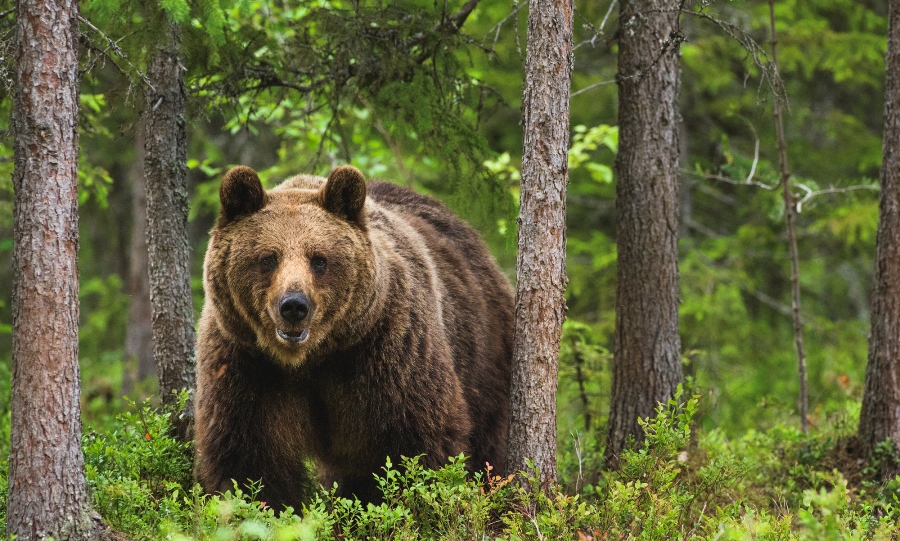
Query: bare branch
[[595, 85], [810, 193], [497, 27], [729, 180], [459, 18], [606, 17], [518, 41], [598, 31], [702, 229], [758, 54], [772, 303], [113, 46], [7, 12], [789, 225]]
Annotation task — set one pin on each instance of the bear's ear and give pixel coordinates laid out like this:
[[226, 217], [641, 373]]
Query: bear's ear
[[344, 194], [241, 193]]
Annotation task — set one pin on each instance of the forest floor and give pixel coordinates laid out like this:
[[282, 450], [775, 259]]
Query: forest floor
[[681, 483]]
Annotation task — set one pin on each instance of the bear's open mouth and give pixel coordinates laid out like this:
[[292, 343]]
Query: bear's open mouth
[[293, 336]]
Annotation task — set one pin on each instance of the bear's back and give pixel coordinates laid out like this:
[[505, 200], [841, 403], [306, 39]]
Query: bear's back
[[478, 312]]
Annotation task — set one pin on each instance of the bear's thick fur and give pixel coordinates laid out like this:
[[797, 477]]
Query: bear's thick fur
[[346, 323]]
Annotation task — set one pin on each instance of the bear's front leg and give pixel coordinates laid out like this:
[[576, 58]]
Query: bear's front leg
[[249, 430]]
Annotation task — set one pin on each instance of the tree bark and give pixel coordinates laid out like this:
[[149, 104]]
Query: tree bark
[[139, 334], [880, 415], [165, 141], [47, 486], [647, 346], [541, 265]]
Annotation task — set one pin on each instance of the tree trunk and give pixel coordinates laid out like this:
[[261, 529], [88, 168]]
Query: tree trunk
[[139, 335], [47, 486], [647, 348], [165, 168], [541, 265], [880, 416]]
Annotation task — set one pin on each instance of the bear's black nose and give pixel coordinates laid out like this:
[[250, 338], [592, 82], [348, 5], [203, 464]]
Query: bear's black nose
[[294, 307]]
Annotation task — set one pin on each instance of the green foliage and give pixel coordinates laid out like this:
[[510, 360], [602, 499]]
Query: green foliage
[[680, 484], [381, 86], [139, 474], [179, 11], [585, 141]]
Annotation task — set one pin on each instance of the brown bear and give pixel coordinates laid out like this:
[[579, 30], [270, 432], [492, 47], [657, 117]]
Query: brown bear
[[346, 322]]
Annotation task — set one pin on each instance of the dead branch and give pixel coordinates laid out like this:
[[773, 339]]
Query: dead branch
[[791, 233], [113, 45], [596, 32], [810, 193], [595, 85]]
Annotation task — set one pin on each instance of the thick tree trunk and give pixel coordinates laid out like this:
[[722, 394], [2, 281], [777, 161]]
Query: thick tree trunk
[[139, 335], [647, 348], [165, 141], [541, 265], [880, 416], [47, 487]]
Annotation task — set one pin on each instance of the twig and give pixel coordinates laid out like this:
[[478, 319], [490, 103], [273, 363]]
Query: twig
[[576, 440], [114, 47], [518, 41], [537, 527], [579, 375], [810, 193], [496, 29], [769, 301], [7, 12], [598, 31], [755, 151], [595, 85], [792, 236], [749, 181], [608, 12], [453, 22], [671, 44], [798, 205], [728, 180], [702, 229], [391, 143], [758, 54], [459, 18]]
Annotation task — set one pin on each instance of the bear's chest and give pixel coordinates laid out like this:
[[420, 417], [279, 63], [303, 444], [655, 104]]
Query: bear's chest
[[333, 416]]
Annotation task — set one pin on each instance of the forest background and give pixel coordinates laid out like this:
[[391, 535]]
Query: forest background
[[462, 142]]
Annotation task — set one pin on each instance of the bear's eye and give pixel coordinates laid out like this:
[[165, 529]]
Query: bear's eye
[[268, 262], [319, 263]]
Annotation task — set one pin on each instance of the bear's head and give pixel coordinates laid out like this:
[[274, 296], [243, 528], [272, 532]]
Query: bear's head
[[291, 270]]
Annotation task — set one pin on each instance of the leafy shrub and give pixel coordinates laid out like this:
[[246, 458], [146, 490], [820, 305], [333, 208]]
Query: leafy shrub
[[138, 472], [678, 484]]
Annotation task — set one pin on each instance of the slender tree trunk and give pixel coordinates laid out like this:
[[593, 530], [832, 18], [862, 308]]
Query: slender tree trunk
[[165, 141], [139, 335], [541, 265], [647, 348], [880, 416], [47, 486], [803, 401]]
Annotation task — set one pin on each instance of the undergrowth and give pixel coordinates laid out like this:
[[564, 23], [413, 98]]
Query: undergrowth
[[679, 484]]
